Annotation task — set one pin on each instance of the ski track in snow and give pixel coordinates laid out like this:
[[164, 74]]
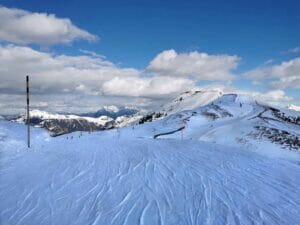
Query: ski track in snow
[[99, 179]]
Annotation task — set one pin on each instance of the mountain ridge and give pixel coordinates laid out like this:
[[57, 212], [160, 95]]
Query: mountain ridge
[[210, 112]]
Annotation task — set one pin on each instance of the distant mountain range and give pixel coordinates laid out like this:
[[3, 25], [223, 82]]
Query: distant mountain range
[[201, 114], [57, 124], [112, 112]]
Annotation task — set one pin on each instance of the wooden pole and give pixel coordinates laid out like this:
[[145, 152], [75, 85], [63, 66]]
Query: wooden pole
[[28, 116]]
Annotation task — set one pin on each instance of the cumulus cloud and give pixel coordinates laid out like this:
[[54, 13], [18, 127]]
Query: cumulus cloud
[[55, 73], [147, 87], [284, 75], [24, 27], [77, 83], [294, 50], [78, 74], [71, 103], [91, 53], [61, 82], [200, 66], [277, 97]]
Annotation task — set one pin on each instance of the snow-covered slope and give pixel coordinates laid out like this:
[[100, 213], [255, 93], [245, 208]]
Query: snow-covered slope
[[230, 119], [192, 99], [127, 177]]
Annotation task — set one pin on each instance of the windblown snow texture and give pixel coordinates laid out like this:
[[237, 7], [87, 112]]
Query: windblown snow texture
[[117, 178]]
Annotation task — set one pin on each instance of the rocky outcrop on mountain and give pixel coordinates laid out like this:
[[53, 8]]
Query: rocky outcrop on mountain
[[58, 124], [150, 117], [58, 127], [284, 138]]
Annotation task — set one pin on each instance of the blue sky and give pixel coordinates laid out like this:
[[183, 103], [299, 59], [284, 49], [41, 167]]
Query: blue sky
[[132, 33]]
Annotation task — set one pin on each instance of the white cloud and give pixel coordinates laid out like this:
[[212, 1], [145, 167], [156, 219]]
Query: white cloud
[[24, 27], [284, 75], [76, 83], [62, 74], [91, 53], [146, 87], [294, 50], [55, 73], [277, 97], [200, 66], [85, 82]]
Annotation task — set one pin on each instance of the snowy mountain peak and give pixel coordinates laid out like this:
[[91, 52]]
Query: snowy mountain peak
[[111, 108], [112, 111], [227, 118], [35, 113], [196, 98], [192, 99], [55, 116]]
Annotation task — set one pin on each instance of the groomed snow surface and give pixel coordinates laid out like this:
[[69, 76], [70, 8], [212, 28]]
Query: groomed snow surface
[[125, 177]]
